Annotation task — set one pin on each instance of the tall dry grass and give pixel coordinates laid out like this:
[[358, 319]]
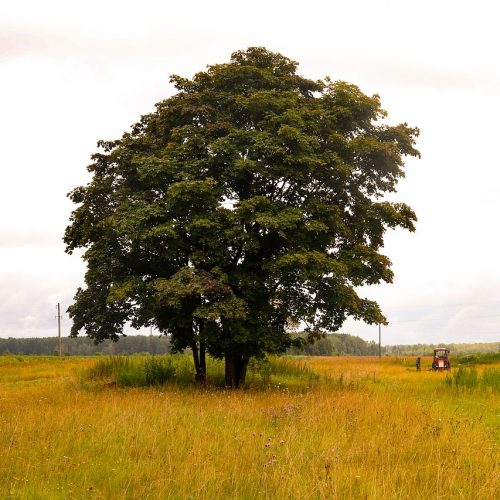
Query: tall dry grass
[[366, 429]]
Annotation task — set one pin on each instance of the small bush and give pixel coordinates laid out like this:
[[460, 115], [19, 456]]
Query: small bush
[[158, 370], [479, 359]]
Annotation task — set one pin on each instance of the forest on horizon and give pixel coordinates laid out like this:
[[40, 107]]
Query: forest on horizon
[[331, 345]]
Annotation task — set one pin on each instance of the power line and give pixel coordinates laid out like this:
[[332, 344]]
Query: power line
[[58, 307]]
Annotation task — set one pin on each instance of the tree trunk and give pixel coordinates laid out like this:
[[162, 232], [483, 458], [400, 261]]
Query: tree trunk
[[236, 370], [199, 365]]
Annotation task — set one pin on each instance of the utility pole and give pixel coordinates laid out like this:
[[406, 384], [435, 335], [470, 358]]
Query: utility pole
[[59, 327], [379, 344]]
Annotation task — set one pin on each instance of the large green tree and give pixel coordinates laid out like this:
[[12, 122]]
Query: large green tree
[[249, 200]]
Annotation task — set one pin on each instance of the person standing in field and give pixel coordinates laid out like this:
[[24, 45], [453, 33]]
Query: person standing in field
[[418, 364]]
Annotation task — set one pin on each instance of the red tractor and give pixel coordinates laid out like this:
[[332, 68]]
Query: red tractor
[[440, 360]]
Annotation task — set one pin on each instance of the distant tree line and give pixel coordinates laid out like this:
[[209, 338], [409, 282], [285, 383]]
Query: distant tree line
[[331, 345], [337, 344], [85, 346], [455, 349]]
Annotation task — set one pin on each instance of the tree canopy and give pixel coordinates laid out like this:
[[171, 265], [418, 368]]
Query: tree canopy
[[250, 200]]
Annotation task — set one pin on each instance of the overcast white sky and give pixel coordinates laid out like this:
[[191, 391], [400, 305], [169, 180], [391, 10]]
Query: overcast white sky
[[73, 73]]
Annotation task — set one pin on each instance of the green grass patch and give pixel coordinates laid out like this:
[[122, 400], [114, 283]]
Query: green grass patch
[[469, 379], [142, 371]]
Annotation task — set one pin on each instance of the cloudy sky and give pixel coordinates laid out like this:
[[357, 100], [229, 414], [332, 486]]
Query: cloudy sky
[[73, 73]]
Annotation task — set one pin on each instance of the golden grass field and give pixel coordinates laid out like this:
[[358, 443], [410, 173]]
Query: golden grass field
[[368, 428]]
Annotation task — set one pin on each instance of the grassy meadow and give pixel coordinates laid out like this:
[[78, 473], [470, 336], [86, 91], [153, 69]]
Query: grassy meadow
[[325, 427]]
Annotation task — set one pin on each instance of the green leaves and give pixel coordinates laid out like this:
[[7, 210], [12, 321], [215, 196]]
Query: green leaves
[[252, 197], [209, 297]]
